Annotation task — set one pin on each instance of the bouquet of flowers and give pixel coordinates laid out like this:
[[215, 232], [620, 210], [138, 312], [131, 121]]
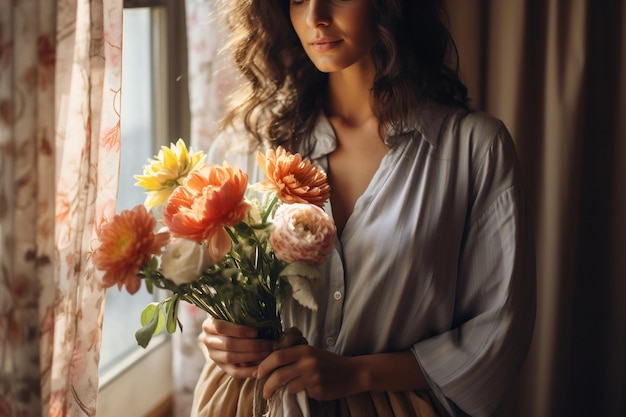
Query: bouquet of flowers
[[225, 246]]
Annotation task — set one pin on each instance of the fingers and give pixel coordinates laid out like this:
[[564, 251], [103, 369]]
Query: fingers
[[279, 359], [239, 359], [229, 337], [224, 328], [239, 372], [287, 368], [322, 374], [233, 347]]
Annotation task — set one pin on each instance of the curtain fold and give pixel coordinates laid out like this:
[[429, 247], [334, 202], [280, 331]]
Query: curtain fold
[[59, 155], [553, 71], [20, 197], [616, 380]]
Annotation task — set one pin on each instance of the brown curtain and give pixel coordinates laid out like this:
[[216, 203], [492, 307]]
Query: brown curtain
[[555, 72]]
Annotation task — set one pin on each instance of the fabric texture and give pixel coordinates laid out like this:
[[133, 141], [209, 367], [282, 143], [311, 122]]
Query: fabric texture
[[217, 394], [59, 156], [458, 288]]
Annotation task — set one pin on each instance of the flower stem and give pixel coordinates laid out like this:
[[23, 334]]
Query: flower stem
[[266, 215], [232, 234]]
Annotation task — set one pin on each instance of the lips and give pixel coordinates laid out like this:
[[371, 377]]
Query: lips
[[324, 44]]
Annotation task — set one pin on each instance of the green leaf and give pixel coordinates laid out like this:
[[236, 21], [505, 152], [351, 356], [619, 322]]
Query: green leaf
[[152, 320], [149, 285], [154, 263], [171, 313]]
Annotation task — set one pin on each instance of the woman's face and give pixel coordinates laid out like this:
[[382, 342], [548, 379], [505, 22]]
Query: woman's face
[[335, 34]]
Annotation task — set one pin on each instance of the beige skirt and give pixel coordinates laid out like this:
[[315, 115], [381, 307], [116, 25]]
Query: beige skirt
[[219, 395]]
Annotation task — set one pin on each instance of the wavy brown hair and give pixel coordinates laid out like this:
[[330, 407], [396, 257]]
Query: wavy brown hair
[[415, 60]]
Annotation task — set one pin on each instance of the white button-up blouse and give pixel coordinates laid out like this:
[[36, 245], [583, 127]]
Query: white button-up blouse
[[437, 257]]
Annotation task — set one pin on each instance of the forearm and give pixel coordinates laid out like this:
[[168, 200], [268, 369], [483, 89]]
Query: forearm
[[388, 372]]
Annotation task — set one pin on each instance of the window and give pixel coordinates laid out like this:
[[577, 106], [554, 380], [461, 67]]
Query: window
[[154, 112]]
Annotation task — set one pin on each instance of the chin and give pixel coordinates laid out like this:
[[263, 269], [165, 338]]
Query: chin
[[327, 68]]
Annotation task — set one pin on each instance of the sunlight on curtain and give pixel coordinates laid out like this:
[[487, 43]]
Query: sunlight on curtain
[[123, 310], [59, 156], [212, 75]]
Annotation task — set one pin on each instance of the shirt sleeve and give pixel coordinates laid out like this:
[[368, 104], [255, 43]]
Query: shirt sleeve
[[472, 366]]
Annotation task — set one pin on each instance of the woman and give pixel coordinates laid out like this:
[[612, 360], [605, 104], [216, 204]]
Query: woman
[[428, 303]]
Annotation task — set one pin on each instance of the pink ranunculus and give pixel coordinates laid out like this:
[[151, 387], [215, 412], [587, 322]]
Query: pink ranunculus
[[302, 233]]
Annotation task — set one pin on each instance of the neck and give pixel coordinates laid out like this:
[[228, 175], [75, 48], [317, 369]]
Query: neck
[[349, 95]]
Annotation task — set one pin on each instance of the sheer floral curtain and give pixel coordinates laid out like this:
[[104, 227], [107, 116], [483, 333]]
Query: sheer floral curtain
[[59, 155], [212, 75]]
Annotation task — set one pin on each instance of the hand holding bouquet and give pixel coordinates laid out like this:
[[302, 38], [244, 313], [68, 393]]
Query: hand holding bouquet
[[225, 246]]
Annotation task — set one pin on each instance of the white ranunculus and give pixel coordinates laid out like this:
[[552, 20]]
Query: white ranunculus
[[184, 260]]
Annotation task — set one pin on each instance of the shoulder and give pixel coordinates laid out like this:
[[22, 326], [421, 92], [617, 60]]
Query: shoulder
[[457, 133], [478, 125], [484, 136], [487, 153], [476, 129], [233, 146], [475, 146], [439, 124], [237, 148]]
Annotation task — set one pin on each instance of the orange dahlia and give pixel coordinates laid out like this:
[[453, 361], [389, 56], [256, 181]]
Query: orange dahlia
[[210, 198], [295, 180], [127, 242]]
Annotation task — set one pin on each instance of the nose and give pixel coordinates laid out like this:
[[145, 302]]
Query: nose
[[318, 13]]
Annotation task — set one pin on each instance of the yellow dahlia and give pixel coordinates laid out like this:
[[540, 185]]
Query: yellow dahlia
[[127, 242], [167, 170], [295, 180]]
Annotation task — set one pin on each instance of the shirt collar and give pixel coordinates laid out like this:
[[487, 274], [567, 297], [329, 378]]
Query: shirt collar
[[325, 139], [426, 121]]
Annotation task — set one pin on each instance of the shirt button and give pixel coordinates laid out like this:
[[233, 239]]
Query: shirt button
[[330, 341], [337, 295]]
